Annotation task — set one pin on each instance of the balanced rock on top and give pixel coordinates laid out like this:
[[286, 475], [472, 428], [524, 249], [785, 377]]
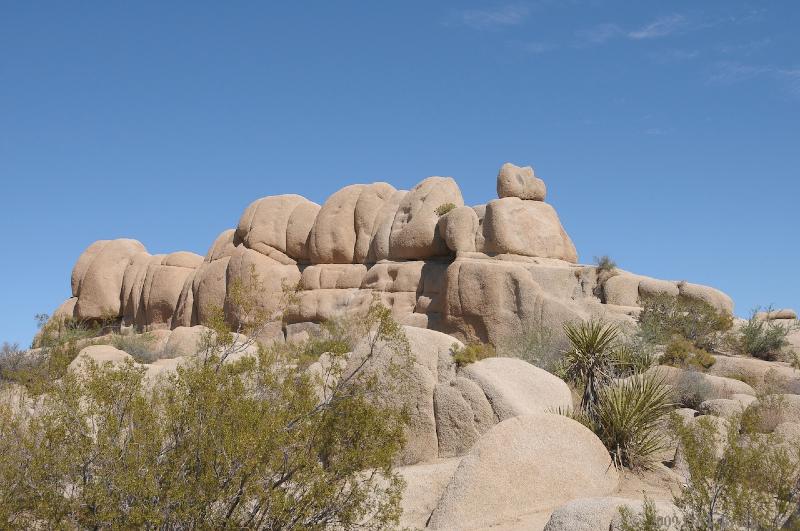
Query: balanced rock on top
[[516, 181]]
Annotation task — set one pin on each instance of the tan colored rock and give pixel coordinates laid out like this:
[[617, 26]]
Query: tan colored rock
[[98, 275], [490, 301], [222, 247], [714, 297], [162, 288], [528, 228], [265, 226], [700, 385], [774, 315], [183, 259], [367, 215], [516, 181], [424, 485], [333, 237], [333, 276], [463, 414], [99, 354], [622, 289], [722, 407], [299, 228], [414, 232], [650, 287], [209, 287], [459, 228], [759, 373], [133, 287], [592, 514], [184, 341], [185, 310], [515, 387], [382, 228], [66, 310], [521, 466], [394, 276], [272, 275]]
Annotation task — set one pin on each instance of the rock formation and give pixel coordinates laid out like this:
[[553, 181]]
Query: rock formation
[[476, 272]]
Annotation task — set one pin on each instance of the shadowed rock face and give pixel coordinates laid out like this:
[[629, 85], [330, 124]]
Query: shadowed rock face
[[480, 272]]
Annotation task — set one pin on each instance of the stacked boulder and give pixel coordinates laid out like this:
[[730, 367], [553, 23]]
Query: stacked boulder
[[475, 272]]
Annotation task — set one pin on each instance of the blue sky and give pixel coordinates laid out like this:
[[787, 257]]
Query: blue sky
[[668, 132]]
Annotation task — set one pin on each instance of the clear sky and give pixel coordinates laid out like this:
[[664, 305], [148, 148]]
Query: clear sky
[[668, 133]]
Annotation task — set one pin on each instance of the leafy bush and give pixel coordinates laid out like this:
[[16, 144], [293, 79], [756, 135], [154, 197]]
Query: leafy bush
[[444, 208], [142, 347], [220, 443], [629, 419], [604, 264], [589, 362], [691, 389], [648, 520], [736, 480], [664, 316], [472, 352], [536, 344], [682, 353], [761, 338]]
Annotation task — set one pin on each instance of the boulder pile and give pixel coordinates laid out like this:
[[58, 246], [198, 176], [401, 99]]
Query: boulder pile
[[476, 272]]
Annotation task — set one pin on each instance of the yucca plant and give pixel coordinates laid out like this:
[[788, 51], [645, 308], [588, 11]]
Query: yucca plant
[[629, 419], [589, 362]]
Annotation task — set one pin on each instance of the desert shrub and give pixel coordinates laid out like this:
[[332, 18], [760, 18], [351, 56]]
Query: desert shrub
[[691, 389], [220, 443], [535, 344], [604, 264], [589, 362], [742, 480], [632, 357], [142, 347], [682, 353], [664, 316], [761, 338], [648, 520], [444, 208], [472, 352], [629, 419]]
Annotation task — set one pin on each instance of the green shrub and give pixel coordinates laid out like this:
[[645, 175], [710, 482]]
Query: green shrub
[[472, 352], [604, 264], [142, 347], [443, 209], [648, 520], [629, 419], [536, 344], [664, 316], [683, 354], [739, 479], [761, 338], [632, 357], [590, 360], [692, 389], [217, 444]]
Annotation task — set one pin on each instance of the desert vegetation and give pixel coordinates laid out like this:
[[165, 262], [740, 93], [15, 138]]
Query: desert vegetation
[[286, 436]]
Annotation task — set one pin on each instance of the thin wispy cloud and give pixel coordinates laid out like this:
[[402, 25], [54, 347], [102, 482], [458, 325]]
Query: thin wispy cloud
[[599, 34], [732, 72], [508, 15], [661, 27], [745, 48]]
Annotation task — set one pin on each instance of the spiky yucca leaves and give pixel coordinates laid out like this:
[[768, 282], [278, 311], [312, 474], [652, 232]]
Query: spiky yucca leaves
[[629, 419], [590, 360]]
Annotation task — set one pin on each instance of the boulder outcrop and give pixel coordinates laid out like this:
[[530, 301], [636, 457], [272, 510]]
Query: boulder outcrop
[[480, 272]]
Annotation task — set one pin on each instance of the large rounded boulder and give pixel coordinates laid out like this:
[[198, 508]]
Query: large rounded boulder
[[521, 466]]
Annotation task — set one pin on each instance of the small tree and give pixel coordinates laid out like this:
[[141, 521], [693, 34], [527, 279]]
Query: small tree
[[737, 479], [253, 441], [762, 338], [664, 317]]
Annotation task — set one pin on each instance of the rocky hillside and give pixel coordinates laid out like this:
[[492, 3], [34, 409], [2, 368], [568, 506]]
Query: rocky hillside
[[485, 449], [475, 272]]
